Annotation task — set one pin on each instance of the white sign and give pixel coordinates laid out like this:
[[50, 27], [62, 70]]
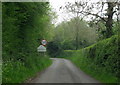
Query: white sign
[[44, 42], [41, 48]]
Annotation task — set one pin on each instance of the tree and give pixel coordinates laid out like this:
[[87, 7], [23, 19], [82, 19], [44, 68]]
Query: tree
[[106, 15], [23, 24], [65, 33]]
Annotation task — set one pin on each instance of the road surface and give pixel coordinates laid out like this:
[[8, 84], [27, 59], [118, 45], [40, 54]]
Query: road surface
[[63, 71]]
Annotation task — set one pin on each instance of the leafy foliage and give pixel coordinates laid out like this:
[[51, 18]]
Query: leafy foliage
[[100, 60], [54, 49], [24, 24], [66, 34], [17, 72], [105, 14]]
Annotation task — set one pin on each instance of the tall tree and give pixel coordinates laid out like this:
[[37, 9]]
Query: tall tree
[[65, 33], [23, 24], [85, 9]]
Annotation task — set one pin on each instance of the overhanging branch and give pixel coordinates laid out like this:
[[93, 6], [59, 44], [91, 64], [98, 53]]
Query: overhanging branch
[[88, 13]]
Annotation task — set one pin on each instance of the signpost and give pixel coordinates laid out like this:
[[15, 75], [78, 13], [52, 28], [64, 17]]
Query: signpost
[[42, 49], [44, 42]]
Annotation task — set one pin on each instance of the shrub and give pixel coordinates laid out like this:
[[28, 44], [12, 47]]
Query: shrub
[[54, 49], [18, 72], [100, 60]]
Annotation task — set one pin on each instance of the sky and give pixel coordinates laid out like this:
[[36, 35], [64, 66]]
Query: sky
[[56, 4], [62, 15]]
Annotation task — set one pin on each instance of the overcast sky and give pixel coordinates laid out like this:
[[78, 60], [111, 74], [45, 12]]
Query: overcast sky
[[62, 15], [56, 4]]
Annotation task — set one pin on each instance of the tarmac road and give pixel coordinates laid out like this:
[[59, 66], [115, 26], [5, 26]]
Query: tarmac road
[[63, 71]]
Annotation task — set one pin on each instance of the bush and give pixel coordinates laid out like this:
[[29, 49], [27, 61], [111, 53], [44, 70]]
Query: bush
[[100, 60], [105, 54], [23, 24], [54, 49], [18, 72]]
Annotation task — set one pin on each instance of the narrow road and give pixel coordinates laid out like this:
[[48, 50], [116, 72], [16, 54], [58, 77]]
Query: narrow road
[[63, 71]]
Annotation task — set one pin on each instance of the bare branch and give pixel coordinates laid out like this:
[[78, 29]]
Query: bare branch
[[88, 13]]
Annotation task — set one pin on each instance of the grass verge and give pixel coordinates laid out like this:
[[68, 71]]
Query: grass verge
[[18, 72], [100, 60]]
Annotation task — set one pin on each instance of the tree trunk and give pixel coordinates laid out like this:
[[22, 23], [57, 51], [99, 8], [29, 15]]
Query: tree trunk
[[77, 32], [77, 41], [109, 21]]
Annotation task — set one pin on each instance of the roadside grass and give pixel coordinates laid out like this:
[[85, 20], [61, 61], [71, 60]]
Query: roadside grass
[[93, 70], [18, 72], [0, 72], [99, 60]]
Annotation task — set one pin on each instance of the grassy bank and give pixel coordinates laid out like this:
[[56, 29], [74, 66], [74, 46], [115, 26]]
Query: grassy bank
[[18, 71], [99, 60]]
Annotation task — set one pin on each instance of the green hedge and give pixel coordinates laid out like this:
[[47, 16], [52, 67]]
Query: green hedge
[[24, 25], [105, 54], [100, 60]]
